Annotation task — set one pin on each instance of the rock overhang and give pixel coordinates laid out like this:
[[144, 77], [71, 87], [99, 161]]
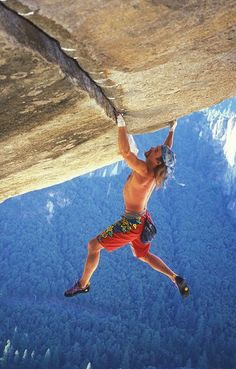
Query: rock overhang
[[153, 60]]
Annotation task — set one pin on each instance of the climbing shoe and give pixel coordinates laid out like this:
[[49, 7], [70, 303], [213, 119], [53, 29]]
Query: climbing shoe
[[76, 289], [182, 286]]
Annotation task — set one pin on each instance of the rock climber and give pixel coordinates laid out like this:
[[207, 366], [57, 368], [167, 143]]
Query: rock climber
[[135, 226]]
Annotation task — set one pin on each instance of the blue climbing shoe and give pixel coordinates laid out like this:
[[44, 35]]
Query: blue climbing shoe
[[76, 289]]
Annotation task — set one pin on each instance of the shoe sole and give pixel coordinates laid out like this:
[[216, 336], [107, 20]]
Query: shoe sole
[[77, 292]]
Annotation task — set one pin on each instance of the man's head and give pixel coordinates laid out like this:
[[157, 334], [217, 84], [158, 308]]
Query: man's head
[[153, 156], [161, 160], [168, 157], [160, 154]]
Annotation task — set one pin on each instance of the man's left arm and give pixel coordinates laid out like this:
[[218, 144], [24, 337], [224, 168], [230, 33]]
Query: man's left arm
[[169, 139]]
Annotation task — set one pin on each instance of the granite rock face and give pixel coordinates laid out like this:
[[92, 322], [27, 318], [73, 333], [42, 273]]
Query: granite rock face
[[67, 68]]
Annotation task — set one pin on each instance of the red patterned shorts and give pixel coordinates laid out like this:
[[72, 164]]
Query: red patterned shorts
[[126, 230]]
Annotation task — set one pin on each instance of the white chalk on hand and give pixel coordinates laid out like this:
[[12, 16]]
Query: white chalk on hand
[[120, 121], [173, 125]]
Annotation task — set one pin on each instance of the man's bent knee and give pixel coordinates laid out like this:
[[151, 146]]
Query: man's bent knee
[[94, 245], [145, 258]]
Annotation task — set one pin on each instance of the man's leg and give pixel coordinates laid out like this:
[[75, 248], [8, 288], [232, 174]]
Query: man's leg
[[92, 261], [159, 265], [82, 285]]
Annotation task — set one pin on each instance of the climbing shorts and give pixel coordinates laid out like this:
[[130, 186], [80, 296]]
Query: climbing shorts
[[127, 230]]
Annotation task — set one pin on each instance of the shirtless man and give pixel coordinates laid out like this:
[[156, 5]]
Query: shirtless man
[[145, 176]]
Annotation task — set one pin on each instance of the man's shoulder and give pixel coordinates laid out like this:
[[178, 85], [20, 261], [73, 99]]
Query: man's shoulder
[[146, 175]]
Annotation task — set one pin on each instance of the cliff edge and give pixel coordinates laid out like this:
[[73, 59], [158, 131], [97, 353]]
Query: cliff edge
[[67, 68]]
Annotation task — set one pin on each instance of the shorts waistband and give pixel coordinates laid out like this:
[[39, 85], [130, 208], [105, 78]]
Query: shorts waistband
[[133, 214]]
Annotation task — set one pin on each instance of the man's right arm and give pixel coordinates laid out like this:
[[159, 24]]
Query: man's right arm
[[130, 158]]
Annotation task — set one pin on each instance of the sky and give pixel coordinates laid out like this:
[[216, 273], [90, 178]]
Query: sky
[[132, 317]]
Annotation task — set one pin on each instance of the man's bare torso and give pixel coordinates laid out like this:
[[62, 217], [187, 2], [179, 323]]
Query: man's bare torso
[[137, 191]]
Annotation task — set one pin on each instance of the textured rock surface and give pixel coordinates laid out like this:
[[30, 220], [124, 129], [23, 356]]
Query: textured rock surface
[[153, 60]]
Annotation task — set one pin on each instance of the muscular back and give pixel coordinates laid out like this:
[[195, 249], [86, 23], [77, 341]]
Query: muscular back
[[137, 191]]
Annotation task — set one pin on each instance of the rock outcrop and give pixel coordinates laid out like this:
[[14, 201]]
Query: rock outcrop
[[67, 68]]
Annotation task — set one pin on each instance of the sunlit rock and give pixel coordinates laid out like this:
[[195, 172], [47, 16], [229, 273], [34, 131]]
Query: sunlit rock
[[63, 81]]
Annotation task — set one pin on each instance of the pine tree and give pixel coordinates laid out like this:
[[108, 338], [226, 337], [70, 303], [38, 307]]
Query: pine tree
[[47, 358]]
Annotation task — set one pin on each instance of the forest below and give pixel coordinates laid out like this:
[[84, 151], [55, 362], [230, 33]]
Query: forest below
[[133, 317]]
